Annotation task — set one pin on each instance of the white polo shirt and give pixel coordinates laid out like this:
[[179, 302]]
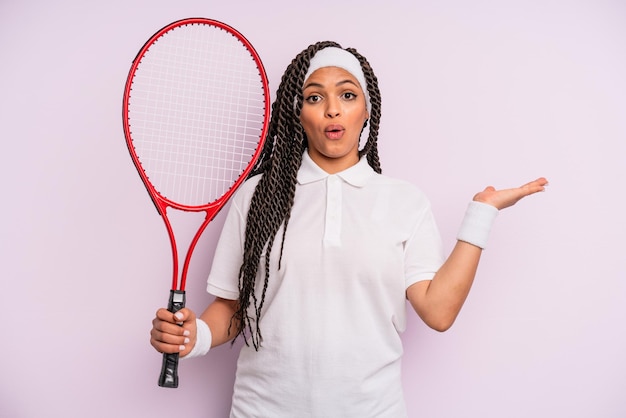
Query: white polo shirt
[[334, 312]]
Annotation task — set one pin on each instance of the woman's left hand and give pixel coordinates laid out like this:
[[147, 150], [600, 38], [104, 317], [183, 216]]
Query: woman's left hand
[[508, 197]]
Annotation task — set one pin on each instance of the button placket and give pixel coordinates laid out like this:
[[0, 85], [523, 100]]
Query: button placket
[[332, 232]]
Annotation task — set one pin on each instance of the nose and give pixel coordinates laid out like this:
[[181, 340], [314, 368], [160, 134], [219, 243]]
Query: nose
[[332, 108]]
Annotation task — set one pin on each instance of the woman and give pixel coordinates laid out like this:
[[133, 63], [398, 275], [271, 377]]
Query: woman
[[320, 252]]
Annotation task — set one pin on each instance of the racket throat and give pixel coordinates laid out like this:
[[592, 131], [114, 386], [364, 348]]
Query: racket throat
[[176, 301]]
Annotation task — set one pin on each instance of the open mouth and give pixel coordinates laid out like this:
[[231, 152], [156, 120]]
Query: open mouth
[[334, 132], [334, 129]]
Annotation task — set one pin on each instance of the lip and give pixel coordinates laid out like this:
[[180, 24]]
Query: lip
[[334, 131]]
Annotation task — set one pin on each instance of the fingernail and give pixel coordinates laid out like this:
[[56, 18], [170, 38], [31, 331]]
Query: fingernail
[[186, 333], [181, 348], [186, 340], [178, 315]]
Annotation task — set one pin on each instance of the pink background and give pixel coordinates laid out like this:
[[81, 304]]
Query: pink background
[[493, 93]]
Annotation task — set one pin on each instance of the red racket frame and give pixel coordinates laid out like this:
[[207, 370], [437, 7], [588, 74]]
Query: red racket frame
[[161, 202]]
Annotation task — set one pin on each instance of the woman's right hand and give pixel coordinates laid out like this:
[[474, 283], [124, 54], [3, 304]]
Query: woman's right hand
[[173, 333]]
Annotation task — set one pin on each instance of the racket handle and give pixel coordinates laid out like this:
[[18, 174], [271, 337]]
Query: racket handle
[[169, 369]]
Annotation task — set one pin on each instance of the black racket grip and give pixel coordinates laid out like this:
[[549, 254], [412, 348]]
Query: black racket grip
[[169, 369]]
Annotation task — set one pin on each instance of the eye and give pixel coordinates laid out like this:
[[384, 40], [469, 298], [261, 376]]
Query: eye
[[349, 95], [313, 98]]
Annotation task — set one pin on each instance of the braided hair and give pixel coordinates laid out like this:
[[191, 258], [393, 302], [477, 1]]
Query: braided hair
[[279, 163]]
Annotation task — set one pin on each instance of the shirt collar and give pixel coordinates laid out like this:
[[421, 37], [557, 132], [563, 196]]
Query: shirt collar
[[357, 175]]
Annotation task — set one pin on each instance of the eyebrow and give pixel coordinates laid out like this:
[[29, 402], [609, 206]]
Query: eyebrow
[[319, 85]]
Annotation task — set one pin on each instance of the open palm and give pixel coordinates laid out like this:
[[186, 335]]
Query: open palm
[[508, 197]]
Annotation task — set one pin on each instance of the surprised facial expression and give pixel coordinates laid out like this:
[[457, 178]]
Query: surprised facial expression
[[333, 114]]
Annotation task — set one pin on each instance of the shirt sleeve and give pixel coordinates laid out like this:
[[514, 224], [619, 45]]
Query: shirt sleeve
[[423, 252], [223, 280]]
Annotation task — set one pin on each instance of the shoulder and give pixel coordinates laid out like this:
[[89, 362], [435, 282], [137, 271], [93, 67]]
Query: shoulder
[[250, 184], [399, 190], [243, 196]]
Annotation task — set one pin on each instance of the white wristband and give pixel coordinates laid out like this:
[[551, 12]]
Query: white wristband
[[203, 340], [476, 225]]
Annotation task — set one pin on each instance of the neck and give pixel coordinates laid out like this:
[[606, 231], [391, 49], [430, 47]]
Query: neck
[[334, 165]]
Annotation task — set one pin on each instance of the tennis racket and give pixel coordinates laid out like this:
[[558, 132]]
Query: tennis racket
[[195, 115]]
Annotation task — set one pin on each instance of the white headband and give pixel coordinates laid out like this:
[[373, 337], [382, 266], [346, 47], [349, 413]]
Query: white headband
[[337, 57]]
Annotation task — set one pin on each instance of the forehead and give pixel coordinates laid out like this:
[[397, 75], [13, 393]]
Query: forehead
[[330, 76]]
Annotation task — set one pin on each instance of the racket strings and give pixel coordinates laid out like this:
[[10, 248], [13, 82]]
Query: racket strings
[[196, 113]]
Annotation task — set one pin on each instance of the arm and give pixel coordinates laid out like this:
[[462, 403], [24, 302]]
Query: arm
[[218, 316], [439, 301], [168, 336]]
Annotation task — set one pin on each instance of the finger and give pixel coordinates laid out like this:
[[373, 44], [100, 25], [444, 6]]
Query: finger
[[183, 315], [163, 347], [541, 181], [171, 329], [165, 315], [169, 339], [535, 186]]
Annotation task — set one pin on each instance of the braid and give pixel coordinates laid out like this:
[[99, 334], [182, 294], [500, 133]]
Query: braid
[[273, 198], [371, 146]]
